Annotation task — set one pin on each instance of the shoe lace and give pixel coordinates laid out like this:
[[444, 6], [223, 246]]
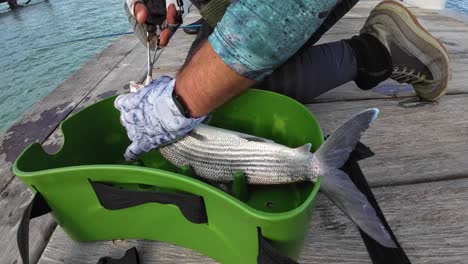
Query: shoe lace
[[404, 75]]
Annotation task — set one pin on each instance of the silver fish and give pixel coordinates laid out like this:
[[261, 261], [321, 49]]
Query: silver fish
[[215, 154]]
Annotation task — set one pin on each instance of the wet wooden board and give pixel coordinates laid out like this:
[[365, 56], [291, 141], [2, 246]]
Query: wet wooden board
[[455, 42], [431, 23], [39, 122], [425, 143], [392, 89], [424, 156], [457, 45], [430, 220], [14, 199], [445, 28], [35, 126], [132, 68]]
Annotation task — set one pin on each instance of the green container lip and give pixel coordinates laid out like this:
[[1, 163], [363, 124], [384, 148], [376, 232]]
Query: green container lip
[[269, 216], [199, 184]]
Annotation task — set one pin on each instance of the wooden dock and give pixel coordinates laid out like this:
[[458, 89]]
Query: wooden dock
[[419, 174]]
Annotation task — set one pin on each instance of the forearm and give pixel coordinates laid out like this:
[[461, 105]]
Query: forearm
[[207, 82], [253, 38]]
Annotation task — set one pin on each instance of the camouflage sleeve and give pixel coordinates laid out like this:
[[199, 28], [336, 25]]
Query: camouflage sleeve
[[254, 37]]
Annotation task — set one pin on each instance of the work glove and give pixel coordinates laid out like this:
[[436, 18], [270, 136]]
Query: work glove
[[156, 15], [151, 117]]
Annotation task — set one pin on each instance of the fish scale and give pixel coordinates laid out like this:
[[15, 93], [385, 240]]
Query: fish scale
[[215, 154]]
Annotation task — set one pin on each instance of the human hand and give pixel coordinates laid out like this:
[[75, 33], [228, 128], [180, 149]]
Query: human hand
[[173, 20], [151, 117]]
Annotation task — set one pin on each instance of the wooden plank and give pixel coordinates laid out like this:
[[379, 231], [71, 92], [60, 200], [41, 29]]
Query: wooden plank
[[39, 122], [172, 59], [36, 126], [411, 144], [15, 198], [430, 220], [455, 42], [133, 68], [363, 7], [431, 23], [170, 63], [392, 89]]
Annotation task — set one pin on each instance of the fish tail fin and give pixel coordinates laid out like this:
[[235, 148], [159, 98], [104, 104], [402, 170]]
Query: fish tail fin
[[338, 187]]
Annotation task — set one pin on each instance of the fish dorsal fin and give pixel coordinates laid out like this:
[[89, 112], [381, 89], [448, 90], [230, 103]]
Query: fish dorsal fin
[[304, 148], [256, 139], [198, 136]]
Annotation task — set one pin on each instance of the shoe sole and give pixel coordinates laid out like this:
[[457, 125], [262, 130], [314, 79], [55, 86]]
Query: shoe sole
[[412, 22]]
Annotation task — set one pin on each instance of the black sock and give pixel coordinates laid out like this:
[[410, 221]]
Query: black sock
[[373, 58]]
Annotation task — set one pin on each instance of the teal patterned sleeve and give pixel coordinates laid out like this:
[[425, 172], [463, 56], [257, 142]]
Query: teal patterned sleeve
[[254, 37]]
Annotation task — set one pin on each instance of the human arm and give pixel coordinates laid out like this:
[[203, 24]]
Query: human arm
[[243, 49], [206, 82], [253, 38]]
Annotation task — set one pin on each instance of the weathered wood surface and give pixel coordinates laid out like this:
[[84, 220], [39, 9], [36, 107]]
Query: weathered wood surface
[[429, 219], [425, 143], [431, 23], [132, 68], [453, 33], [35, 126], [406, 153], [392, 89], [14, 199], [39, 122]]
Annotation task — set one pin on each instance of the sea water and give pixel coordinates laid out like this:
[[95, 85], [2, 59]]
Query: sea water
[[29, 72]]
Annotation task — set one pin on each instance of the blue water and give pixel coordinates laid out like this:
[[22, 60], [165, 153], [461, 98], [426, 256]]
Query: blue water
[[27, 74], [458, 5]]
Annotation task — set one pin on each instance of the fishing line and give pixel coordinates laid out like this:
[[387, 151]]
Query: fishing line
[[104, 36]]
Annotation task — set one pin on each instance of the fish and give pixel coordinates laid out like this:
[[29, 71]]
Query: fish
[[215, 154]]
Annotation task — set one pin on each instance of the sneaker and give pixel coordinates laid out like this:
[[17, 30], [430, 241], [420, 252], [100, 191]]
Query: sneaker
[[418, 58]]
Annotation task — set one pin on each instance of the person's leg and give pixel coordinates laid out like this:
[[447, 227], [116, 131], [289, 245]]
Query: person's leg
[[313, 71], [392, 44], [340, 9]]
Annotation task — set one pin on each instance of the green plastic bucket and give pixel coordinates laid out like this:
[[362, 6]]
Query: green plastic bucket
[[94, 143]]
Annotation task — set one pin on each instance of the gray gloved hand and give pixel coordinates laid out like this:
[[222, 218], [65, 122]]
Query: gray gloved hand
[[151, 117]]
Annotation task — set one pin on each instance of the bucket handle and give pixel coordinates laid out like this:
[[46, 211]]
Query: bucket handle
[[39, 207], [113, 198], [191, 206]]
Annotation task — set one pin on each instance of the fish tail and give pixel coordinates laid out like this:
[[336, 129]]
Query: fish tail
[[337, 185]]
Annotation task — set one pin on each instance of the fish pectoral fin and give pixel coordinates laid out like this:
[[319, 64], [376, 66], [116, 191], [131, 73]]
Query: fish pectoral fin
[[304, 148]]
